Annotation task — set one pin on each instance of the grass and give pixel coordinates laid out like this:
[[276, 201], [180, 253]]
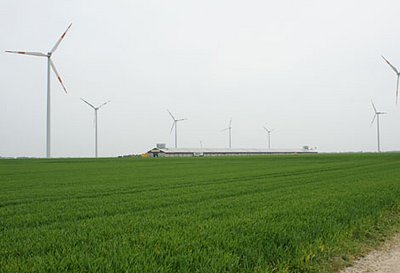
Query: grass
[[308, 213]]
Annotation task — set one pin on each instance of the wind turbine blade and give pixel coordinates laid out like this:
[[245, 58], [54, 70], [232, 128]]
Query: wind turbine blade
[[59, 40], [265, 128], [397, 88], [28, 53], [392, 66], [88, 103], [171, 115], [103, 104], [181, 119], [173, 124], [374, 106], [230, 122], [372, 122], [224, 129], [58, 75]]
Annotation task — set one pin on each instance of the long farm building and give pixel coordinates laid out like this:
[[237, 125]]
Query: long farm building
[[191, 152]]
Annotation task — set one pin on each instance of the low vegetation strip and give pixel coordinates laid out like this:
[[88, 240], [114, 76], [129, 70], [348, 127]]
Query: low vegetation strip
[[304, 213]]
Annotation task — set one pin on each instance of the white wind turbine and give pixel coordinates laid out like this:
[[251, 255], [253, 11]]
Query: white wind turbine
[[50, 63], [377, 114], [175, 124], [95, 123], [230, 133], [269, 136], [398, 77]]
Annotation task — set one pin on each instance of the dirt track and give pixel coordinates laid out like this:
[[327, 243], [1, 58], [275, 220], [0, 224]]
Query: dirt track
[[384, 260]]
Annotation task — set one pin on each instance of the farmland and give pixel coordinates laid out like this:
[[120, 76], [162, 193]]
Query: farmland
[[308, 213]]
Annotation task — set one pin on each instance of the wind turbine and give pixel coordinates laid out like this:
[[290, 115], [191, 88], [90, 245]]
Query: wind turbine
[[230, 133], [50, 63], [398, 77], [175, 124], [95, 123], [269, 136], [377, 114]]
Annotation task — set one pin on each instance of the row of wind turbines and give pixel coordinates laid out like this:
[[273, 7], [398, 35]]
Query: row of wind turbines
[[376, 116], [229, 128], [51, 66]]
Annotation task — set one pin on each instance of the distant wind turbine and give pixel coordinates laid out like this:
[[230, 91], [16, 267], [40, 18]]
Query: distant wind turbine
[[95, 123], [230, 133], [50, 63], [398, 77], [269, 136], [377, 114], [175, 124]]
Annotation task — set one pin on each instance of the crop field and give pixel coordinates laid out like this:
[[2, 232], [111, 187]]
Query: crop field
[[304, 213]]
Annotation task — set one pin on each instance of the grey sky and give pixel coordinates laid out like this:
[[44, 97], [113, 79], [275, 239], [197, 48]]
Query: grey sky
[[306, 68]]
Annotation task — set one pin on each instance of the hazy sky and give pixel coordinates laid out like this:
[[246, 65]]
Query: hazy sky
[[309, 69]]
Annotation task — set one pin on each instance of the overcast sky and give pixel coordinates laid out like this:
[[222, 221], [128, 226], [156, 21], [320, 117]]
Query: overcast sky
[[308, 69]]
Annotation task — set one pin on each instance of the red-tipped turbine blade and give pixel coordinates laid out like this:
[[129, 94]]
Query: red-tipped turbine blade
[[28, 53], [60, 39], [58, 75], [392, 66]]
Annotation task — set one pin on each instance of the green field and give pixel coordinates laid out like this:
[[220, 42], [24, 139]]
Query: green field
[[305, 213]]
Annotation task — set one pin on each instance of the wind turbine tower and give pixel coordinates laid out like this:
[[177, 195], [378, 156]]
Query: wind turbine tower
[[50, 63], [377, 114], [95, 123], [230, 133], [175, 125], [269, 136], [398, 77]]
